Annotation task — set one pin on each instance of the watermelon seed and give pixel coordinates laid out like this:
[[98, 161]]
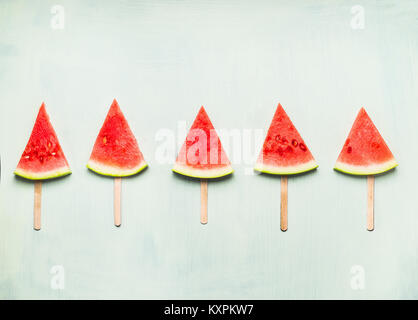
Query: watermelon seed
[[349, 149], [104, 140], [53, 153], [27, 157], [302, 146], [294, 143]]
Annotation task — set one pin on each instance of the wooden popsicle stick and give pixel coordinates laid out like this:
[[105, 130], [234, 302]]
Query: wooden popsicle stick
[[283, 203], [203, 201], [37, 206], [370, 203], [116, 200]]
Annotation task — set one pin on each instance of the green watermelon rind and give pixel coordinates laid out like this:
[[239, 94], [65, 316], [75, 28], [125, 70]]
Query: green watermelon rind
[[290, 170], [365, 170], [65, 171], [199, 173], [114, 171]]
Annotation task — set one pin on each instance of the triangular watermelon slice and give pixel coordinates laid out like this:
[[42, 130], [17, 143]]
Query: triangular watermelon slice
[[116, 152], [284, 152], [202, 155], [43, 157], [365, 152]]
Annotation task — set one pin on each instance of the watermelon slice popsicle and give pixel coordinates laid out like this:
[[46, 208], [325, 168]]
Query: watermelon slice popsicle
[[202, 156], [284, 153], [116, 154], [365, 153], [42, 159]]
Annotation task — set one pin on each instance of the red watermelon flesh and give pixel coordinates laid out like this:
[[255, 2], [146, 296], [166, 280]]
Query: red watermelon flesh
[[116, 152], [43, 157], [365, 152], [284, 151], [202, 155]]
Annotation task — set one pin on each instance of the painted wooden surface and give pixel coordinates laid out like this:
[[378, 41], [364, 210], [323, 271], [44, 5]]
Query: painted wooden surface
[[162, 60]]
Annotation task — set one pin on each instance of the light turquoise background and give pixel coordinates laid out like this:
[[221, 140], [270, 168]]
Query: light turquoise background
[[162, 60]]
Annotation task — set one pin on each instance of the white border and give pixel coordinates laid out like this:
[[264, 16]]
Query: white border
[[286, 170], [113, 170]]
